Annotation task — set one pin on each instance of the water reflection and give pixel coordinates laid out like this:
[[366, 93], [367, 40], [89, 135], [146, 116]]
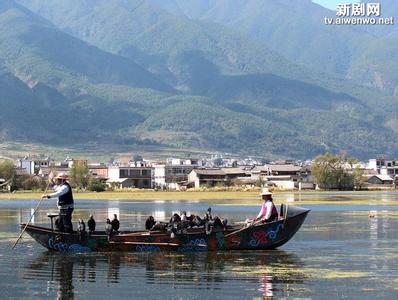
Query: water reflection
[[362, 197], [266, 287], [266, 270], [341, 251]]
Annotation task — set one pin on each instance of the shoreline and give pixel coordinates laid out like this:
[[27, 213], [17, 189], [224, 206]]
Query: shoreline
[[142, 195], [224, 197]]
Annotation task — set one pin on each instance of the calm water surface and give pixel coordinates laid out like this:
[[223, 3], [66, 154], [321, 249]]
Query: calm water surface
[[340, 252]]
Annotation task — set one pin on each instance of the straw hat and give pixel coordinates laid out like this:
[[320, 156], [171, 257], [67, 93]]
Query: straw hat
[[265, 191], [61, 176]]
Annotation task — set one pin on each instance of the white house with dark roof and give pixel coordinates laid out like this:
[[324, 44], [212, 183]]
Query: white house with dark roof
[[381, 179], [283, 175], [209, 177]]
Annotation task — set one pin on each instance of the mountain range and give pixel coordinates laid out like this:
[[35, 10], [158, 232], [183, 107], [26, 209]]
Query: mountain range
[[256, 77]]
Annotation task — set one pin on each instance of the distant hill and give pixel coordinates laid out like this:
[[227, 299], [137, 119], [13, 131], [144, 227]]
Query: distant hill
[[144, 32], [151, 73], [293, 28], [296, 29], [35, 51]]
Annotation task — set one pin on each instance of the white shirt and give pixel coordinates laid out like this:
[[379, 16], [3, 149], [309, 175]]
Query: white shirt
[[60, 190], [266, 210]]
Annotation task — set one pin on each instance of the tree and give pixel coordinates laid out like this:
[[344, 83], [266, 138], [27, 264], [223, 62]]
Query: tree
[[331, 172], [96, 185], [32, 182], [260, 182], [137, 157], [7, 170], [79, 174], [357, 173], [359, 178], [218, 161]]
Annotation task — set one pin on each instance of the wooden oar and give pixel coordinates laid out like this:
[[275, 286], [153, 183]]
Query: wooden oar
[[255, 223], [158, 244], [31, 216], [147, 243], [241, 229]]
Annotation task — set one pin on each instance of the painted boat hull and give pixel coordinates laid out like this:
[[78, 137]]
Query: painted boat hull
[[258, 237]]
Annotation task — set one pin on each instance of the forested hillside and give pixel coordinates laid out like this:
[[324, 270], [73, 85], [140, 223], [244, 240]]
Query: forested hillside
[[195, 74]]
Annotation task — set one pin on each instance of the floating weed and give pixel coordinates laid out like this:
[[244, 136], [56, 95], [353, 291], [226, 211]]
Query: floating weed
[[316, 229], [276, 271], [299, 290], [340, 274], [340, 223], [380, 213], [287, 272], [391, 284]]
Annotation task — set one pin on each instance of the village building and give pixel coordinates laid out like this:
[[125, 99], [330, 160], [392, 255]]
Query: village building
[[32, 166], [237, 175], [138, 177], [56, 169], [216, 176], [381, 179], [283, 176], [174, 173], [207, 177], [234, 173], [99, 171], [121, 183], [384, 166], [71, 162], [283, 170]]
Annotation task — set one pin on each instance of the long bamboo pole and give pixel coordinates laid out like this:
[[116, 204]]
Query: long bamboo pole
[[31, 217]]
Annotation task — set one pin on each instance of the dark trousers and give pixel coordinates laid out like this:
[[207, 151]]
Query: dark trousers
[[272, 218], [65, 220]]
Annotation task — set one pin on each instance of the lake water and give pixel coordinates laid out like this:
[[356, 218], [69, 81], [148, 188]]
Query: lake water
[[342, 251]]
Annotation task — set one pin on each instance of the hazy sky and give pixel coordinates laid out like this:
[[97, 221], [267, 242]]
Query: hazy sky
[[331, 4]]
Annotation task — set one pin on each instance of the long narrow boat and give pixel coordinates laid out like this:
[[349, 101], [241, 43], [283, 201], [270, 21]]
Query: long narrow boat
[[236, 237]]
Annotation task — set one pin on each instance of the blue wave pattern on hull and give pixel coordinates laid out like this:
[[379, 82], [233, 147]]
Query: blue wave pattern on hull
[[63, 247]]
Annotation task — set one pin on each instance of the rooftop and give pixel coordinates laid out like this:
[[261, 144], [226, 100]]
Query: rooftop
[[233, 171], [218, 172], [384, 177], [284, 168]]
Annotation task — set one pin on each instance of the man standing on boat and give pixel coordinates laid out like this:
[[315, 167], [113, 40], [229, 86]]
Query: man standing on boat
[[63, 191], [268, 212]]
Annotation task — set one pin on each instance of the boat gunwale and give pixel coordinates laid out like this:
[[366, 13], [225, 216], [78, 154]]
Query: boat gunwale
[[157, 233]]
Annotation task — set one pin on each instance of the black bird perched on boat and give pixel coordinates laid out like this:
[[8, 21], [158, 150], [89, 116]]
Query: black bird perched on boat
[[149, 223], [208, 216], [115, 223], [175, 218], [108, 227], [81, 226], [91, 224]]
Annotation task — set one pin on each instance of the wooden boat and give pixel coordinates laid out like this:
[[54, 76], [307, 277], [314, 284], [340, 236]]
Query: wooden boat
[[237, 237]]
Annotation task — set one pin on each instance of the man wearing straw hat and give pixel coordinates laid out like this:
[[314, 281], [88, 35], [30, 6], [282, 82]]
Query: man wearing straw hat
[[63, 191], [268, 212]]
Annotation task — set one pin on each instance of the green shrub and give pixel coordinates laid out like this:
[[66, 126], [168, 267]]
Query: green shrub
[[96, 185]]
